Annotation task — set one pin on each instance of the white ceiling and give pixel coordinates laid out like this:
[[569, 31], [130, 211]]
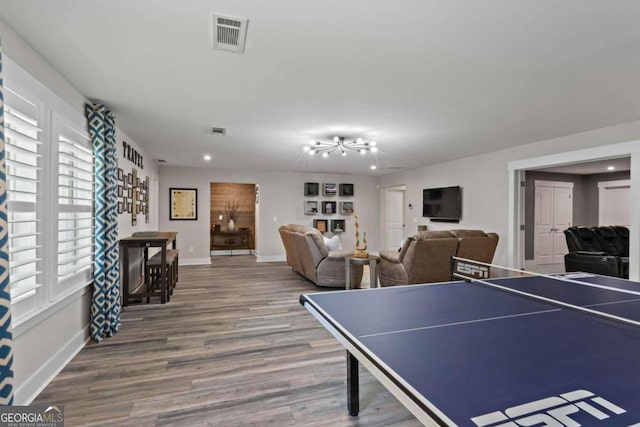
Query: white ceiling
[[430, 80]]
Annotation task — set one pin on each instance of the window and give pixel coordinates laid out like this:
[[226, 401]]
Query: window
[[50, 194], [23, 142], [75, 206]]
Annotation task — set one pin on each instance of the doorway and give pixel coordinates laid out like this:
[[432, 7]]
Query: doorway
[[232, 214], [515, 237], [614, 200], [394, 214]]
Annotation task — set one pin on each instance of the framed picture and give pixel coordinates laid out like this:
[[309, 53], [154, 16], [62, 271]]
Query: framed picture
[[129, 179], [120, 191], [346, 190], [329, 190], [321, 224], [311, 189], [183, 204], [120, 175], [120, 208]]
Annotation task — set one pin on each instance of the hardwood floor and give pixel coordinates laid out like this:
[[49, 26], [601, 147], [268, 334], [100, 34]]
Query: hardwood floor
[[233, 348]]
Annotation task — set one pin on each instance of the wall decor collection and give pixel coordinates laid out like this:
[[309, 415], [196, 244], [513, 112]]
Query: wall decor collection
[[329, 206], [134, 194]]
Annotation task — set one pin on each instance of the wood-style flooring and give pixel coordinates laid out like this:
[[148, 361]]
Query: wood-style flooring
[[233, 348]]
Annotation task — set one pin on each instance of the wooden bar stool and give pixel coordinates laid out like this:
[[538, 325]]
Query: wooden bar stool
[[154, 270]]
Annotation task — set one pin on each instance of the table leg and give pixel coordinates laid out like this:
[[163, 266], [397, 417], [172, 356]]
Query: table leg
[[373, 280], [163, 275], [347, 274], [125, 275], [353, 391]]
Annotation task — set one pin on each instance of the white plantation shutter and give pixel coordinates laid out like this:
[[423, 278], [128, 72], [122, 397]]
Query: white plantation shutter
[[75, 222], [24, 186]]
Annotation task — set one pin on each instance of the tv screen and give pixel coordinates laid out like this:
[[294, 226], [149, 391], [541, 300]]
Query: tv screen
[[442, 203]]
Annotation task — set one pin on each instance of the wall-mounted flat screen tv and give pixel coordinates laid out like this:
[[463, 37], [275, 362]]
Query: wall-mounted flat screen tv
[[442, 204]]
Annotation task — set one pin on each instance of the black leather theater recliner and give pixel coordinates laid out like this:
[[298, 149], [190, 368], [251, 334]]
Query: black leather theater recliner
[[599, 250]]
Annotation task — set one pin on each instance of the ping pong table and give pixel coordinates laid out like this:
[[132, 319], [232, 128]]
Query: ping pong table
[[489, 354]]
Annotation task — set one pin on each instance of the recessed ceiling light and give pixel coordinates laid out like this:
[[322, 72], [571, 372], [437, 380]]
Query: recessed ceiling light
[[611, 168], [374, 167], [207, 157]]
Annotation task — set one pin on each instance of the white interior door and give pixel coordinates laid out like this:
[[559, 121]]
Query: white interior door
[[614, 202], [553, 214], [395, 217]]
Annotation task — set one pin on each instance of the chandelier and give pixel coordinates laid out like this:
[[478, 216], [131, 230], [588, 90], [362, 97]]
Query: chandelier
[[358, 145]]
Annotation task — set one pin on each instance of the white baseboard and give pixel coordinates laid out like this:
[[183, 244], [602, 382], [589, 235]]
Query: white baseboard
[[273, 258], [25, 393], [194, 261], [226, 252]]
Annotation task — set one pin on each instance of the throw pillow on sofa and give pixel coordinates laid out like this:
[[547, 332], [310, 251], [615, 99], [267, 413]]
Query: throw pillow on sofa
[[333, 244]]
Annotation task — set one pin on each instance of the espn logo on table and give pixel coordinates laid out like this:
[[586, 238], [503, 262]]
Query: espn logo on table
[[552, 411], [470, 270]]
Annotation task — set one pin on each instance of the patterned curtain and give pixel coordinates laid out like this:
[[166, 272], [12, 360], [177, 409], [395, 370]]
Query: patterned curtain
[[105, 305], [6, 348]]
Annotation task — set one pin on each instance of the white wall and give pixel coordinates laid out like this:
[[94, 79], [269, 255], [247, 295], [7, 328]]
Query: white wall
[[281, 202], [44, 344], [485, 180]]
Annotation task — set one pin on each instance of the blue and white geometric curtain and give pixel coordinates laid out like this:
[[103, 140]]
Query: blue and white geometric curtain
[[105, 304], [6, 341]]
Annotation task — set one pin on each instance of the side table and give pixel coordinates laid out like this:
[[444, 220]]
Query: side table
[[372, 261]]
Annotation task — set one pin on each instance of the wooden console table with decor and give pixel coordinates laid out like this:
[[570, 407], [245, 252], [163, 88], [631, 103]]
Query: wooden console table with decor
[[146, 240], [230, 240]]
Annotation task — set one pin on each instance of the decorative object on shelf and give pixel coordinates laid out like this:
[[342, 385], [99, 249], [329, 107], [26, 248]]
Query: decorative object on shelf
[[310, 207], [337, 225], [329, 208], [325, 148], [322, 225], [346, 190], [232, 210], [346, 208], [311, 189], [183, 204], [329, 190], [361, 250]]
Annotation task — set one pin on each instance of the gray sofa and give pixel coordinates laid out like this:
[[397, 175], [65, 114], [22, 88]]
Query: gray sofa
[[308, 255], [426, 256]]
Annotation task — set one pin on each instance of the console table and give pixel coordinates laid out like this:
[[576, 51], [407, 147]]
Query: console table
[[146, 240], [230, 240]]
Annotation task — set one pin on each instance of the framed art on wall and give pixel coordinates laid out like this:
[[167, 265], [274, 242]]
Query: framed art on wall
[[183, 204]]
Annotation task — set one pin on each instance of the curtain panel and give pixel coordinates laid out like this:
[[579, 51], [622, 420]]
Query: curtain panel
[[6, 339], [105, 304]]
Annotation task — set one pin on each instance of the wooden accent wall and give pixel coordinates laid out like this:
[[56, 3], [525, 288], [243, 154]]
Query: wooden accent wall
[[245, 194]]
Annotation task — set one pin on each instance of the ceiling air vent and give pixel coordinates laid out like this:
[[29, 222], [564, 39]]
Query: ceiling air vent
[[229, 33], [218, 131]]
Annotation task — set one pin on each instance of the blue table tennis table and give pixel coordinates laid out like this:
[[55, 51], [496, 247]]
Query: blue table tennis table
[[488, 354]]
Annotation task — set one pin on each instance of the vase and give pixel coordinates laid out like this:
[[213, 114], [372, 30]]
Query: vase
[[231, 226]]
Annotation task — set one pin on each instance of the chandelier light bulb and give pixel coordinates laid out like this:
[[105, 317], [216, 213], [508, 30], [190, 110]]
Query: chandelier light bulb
[[363, 151], [306, 148], [359, 141], [207, 157], [374, 149], [312, 152], [372, 143], [325, 154], [336, 139], [344, 153], [373, 167]]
